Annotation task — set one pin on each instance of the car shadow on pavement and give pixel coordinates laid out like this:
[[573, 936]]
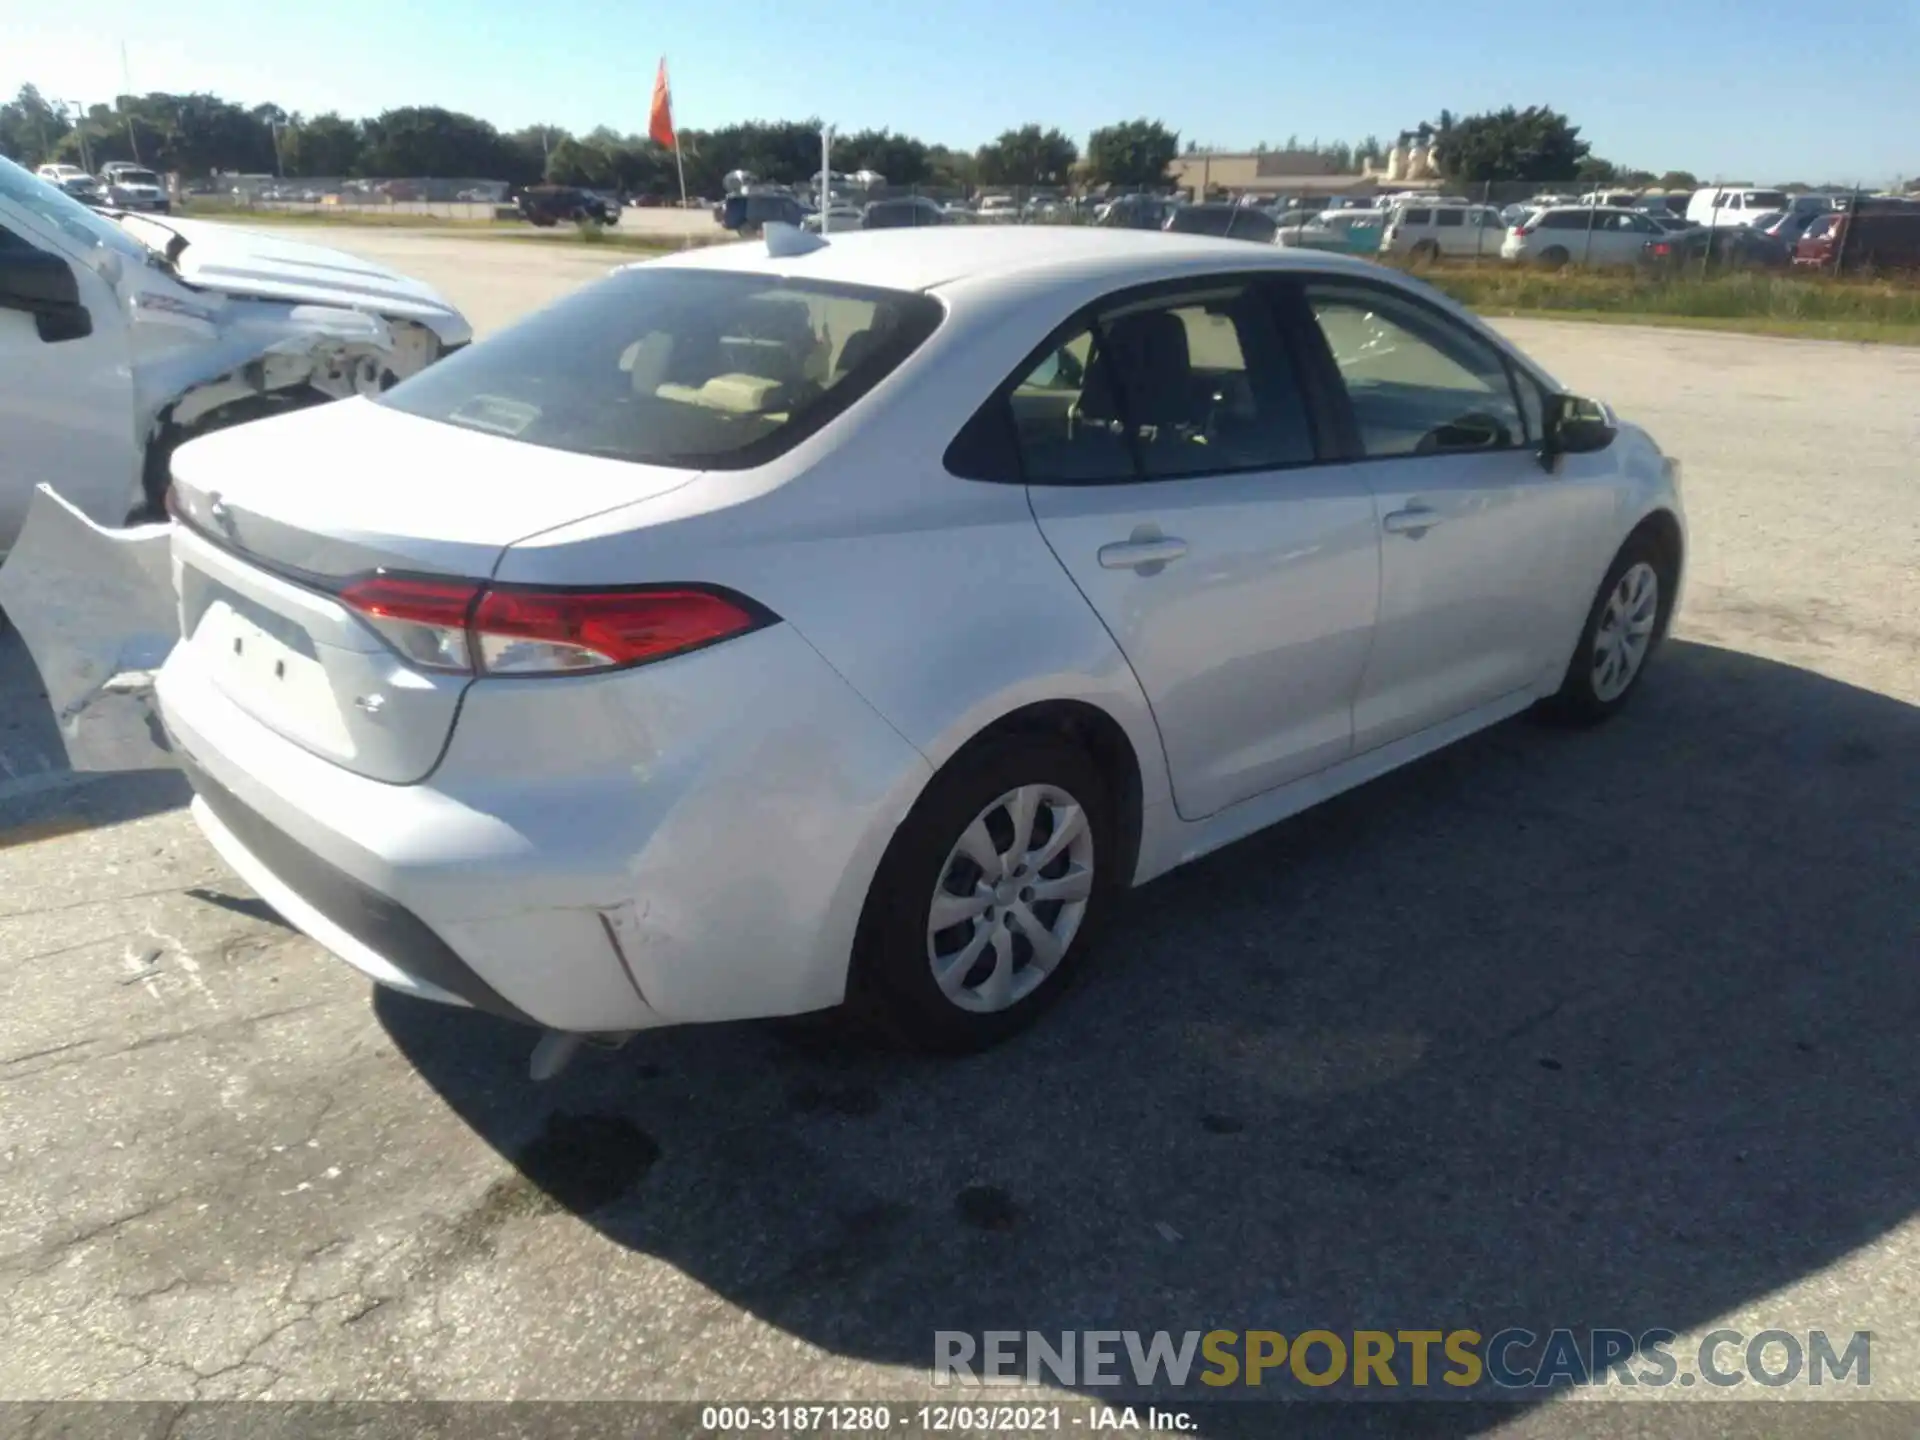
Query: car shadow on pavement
[[1606, 1028]]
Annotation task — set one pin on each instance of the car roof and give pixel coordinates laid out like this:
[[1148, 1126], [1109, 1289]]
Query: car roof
[[926, 259]]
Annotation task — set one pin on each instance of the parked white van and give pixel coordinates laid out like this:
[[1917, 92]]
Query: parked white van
[[1427, 231], [1733, 205]]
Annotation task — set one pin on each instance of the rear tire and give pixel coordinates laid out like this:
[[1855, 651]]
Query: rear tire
[[1020, 911], [1555, 257], [1625, 625], [1426, 252]]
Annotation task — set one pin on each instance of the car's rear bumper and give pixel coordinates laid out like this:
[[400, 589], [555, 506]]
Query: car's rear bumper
[[691, 840]]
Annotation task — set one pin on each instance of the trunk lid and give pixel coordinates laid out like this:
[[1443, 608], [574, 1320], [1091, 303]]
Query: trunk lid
[[281, 512]]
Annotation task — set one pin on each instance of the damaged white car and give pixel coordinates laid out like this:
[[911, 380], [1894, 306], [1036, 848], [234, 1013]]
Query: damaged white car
[[122, 336]]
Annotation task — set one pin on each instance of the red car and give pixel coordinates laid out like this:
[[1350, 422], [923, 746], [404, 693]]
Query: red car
[[1882, 236]]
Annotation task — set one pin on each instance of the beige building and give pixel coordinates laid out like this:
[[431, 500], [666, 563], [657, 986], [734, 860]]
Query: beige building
[[1277, 172]]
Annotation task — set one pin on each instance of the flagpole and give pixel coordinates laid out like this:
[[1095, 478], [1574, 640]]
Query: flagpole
[[680, 163]]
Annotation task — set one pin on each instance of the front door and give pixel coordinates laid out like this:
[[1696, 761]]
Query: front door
[[1172, 468], [1474, 533], [66, 404]]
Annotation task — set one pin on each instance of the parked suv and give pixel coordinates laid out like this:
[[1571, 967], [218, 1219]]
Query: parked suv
[[902, 214], [746, 213], [1236, 222], [1426, 232], [1586, 235], [546, 205]]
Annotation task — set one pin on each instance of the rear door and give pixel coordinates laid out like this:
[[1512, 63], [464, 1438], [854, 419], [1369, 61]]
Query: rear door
[[1475, 533], [1176, 477]]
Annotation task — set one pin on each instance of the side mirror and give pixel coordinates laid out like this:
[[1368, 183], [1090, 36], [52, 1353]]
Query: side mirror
[[45, 287], [1576, 426]]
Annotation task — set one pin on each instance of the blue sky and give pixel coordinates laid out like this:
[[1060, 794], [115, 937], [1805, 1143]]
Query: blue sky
[[1766, 90]]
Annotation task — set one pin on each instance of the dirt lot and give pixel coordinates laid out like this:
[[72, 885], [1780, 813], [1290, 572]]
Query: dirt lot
[[1614, 1028]]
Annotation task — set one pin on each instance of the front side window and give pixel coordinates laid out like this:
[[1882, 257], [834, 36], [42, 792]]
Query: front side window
[[1419, 383], [672, 366], [1164, 387], [1449, 217]]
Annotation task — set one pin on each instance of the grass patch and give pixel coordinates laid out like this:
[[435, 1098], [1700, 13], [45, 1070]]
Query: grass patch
[[369, 219], [1751, 302], [635, 241]]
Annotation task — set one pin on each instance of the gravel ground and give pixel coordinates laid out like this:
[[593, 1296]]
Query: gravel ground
[[1609, 1029]]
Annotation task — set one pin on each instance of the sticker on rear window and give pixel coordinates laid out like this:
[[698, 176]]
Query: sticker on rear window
[[496, 413]]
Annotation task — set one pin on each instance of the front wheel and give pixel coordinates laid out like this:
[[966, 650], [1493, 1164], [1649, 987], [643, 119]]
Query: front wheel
[[1626, 623], [988, 896]]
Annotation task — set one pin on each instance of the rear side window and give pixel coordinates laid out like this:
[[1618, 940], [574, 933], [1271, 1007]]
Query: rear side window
[[1416, 217], [1565, 220], [682, 367], [1449, 217], [1159, 387]]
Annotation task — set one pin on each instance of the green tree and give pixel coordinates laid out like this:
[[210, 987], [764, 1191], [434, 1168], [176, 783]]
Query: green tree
[[1028, 156], [424, 140], [1134, 152], [574, 162], [1595, 171], [325, 147], [901, 158], [1535, 144], [1679, 180], [30, 127], [951, 169]]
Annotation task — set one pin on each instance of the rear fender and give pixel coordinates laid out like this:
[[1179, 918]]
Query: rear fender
[[95, 608]]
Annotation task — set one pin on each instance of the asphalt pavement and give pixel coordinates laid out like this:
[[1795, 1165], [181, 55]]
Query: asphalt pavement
[[1612, 1028]]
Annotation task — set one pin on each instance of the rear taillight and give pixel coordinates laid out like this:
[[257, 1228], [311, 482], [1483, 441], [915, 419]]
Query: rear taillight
[[1660, 247], [1524, 229], [424, 619], [465, 627]]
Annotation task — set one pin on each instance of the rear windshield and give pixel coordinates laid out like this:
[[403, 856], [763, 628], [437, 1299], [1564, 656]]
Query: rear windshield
[[666, 366]]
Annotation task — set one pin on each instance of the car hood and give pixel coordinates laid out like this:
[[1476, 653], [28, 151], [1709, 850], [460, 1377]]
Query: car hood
[[237, 261]]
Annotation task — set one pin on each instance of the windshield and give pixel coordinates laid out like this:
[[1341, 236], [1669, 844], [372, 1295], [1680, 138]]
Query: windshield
[[674, 366], [135, 177], [57, 210]]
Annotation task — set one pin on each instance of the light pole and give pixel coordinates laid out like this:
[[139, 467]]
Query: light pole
[[274, 127], [826, 175]]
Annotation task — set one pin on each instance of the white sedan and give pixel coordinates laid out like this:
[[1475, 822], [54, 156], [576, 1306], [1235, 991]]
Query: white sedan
[[768, 627]]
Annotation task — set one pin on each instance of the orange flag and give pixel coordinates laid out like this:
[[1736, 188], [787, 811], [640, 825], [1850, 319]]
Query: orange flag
[[660, 118]]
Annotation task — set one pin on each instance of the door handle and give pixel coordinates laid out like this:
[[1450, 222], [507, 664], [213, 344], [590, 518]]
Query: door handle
[[1415, 521], [1138, 554]]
